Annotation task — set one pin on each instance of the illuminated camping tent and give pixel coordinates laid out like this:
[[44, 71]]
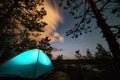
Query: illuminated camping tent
[[29, 64]]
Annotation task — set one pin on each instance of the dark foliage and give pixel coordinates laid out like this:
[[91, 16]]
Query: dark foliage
[[18, 18], [102, 53], [45, 46]]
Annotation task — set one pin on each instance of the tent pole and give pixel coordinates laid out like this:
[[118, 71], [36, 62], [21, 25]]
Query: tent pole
[[36, 64]]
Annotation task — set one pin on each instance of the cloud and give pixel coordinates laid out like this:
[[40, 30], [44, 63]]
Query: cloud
[[55, 36], [53, 18]]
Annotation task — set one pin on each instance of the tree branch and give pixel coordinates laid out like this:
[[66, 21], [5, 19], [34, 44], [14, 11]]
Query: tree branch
[[104, 5]]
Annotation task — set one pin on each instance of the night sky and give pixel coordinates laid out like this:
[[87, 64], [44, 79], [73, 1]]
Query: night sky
[[84, 41], [65, 44]]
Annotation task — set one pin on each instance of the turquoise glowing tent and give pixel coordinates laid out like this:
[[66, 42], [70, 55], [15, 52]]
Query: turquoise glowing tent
[[29, 64]]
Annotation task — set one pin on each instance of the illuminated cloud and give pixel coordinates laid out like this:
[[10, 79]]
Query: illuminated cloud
[[52, 18]]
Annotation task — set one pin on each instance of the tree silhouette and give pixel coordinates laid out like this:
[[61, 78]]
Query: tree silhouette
[[102, 53], [17, 19], [89, 54], [45, 46], [84, 11], [59, 57], [78, 54], [111, 69]]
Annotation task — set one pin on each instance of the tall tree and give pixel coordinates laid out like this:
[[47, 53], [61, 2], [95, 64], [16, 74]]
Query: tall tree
[[85, 11], [110, 38], [17, 19]]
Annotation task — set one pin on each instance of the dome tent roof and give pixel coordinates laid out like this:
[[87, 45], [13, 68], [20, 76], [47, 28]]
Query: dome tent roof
[[29, 64]]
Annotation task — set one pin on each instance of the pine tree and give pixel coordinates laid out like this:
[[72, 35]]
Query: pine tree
[[89, 54], [45, 46], [102, 53], [17, 19]]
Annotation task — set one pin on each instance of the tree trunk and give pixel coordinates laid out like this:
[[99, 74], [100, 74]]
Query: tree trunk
[[107, 33]]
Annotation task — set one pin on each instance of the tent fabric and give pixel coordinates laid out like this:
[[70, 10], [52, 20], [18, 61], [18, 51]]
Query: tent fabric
[[29, 64]]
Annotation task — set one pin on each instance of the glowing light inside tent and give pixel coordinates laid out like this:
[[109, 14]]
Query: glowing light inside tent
[[31, 56], [44, 59], [26, 58]]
